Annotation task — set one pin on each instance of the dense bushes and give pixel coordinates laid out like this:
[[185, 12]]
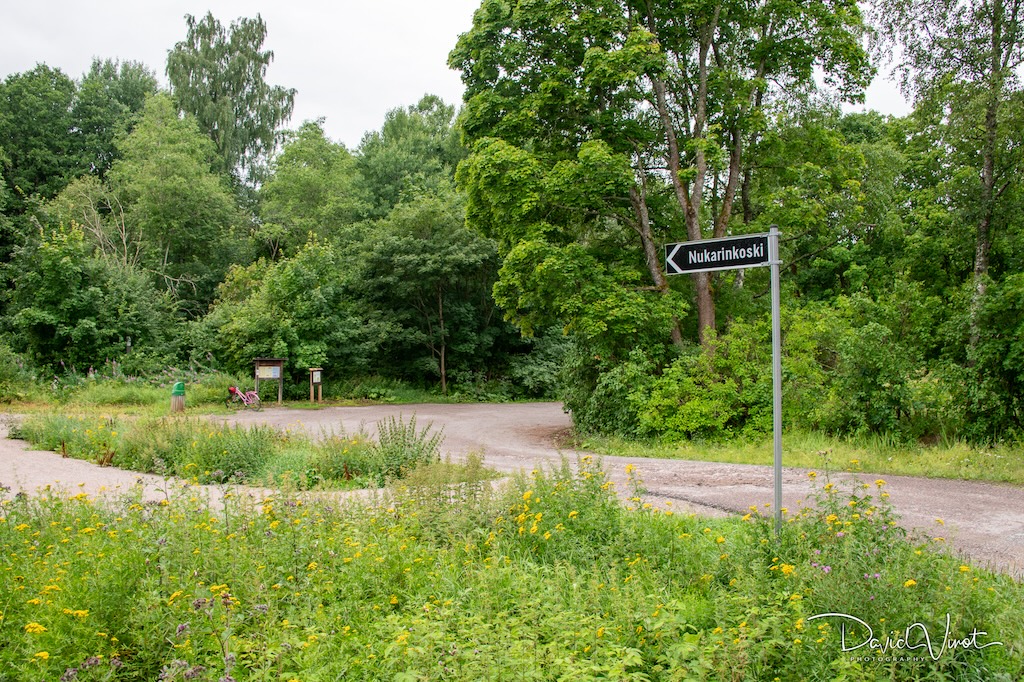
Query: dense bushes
[[843, 373]]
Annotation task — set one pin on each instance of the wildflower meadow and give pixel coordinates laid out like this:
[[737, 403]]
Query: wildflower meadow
[[547, 576]]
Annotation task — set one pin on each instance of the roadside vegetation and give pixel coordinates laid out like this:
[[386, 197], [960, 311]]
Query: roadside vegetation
[[203, 451], [548, 577], [1003, 463]]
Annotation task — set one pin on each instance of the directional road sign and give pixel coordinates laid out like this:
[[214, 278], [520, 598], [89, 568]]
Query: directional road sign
[[748, 251]]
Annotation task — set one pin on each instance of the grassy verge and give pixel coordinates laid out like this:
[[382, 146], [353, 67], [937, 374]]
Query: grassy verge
[[1002, 464], [205, 452], [549, 578]]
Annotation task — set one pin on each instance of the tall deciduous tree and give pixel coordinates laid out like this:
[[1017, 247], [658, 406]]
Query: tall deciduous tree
[[429, 274], [218, 76], [109, 94], [185, 213], [415, 151], [315, 188], [35, 126], [674, 89], [961, 61]]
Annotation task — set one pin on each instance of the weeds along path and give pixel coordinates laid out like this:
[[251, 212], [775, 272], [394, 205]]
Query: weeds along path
[[24, 470], [983, 521]]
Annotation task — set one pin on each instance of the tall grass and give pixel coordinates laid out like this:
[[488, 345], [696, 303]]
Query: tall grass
[[207, 452], [877, 454], [546, 578]]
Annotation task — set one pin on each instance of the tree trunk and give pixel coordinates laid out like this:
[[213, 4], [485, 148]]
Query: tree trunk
[[442, 351], [690, 197], [691, 209], [651, 254], [983, 236]]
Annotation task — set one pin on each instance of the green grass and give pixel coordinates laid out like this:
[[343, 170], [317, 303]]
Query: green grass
[[1002, 464], [203, 451], [546, 578]]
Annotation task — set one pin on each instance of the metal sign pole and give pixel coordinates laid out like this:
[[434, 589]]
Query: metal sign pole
[[774, 262], [730, 253]]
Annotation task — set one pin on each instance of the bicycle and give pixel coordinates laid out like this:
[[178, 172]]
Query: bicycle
[[250, 400]]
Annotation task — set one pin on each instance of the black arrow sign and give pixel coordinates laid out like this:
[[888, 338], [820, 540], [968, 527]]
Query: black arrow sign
[[717, 254]]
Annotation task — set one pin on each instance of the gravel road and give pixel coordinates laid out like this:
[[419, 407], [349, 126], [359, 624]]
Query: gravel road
[[982, 521]]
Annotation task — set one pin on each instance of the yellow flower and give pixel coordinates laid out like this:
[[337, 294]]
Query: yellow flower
[[910, 583], [394, 599], [573, 514], [879, 483], [787, 569], [34, 629], [527, 495], [42, 655], [630, 468], [812, 475], [965, 569]]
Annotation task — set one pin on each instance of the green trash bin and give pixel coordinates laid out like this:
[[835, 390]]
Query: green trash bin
[[178, 397]]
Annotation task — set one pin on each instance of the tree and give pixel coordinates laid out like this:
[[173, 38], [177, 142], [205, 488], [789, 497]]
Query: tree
[[675, 91], [109, 95], [314, 188], [185, 214], [425, 271], [219, 76], [35, 126], [297, 308], [74, 308], [415, 152], [961, 61]]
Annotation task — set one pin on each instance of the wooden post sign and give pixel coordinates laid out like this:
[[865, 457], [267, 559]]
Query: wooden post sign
[[271, 369], [316, 381]]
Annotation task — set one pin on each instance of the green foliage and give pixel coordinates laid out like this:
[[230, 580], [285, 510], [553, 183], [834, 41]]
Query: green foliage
[[190, 449], [218, 76], [399, 449], [414, 154], [548, 578], [77, 309], [598, 396], [17, 376], [402, 447], [185, 214], [35, 117], [205, 452], [843, 373], [314, 189], [296, 309], [430, 277], [994, 382], [109, 96]]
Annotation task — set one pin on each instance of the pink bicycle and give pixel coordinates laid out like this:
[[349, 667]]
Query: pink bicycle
[[250, 400]]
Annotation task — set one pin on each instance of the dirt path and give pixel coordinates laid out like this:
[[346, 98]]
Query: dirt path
[[983, 521]]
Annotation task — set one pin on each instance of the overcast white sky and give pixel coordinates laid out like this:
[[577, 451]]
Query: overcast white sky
[[351, 61]]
